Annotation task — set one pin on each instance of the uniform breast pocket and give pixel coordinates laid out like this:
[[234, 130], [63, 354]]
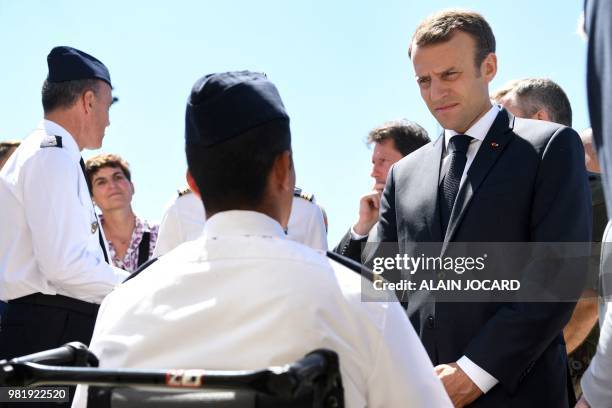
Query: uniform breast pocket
[[87, 214]]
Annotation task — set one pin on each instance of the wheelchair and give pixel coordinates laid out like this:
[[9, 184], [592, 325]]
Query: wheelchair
[[313, 381]]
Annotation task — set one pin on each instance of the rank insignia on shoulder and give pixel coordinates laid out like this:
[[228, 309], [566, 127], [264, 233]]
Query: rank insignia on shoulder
[[51, 141], [298, 192], [94, 227], [184, 191]]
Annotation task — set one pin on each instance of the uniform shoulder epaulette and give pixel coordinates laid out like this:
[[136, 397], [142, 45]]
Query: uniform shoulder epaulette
[[298, 192], [51, 141], [184, 191]]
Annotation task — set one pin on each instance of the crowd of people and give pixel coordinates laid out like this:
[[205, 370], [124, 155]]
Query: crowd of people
[[237, 275]]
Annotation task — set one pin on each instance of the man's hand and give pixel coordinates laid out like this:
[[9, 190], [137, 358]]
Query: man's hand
[[582, 403], [368, 210], [459, 387], [583, 319]]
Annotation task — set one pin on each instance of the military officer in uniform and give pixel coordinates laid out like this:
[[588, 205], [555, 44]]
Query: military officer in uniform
[[184, 219], [307, 223], [53, 262], [242, 295]]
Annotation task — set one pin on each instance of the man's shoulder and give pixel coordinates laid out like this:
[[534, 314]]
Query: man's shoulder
[[287, 259], [538, 132], [299, 193], [39, 151], [40, 145]]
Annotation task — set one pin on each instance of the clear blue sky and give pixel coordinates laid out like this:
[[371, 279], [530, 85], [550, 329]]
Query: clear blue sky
[[341, 67]]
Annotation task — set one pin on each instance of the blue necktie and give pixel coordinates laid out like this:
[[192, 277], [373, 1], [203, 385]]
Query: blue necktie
[[457, 147]]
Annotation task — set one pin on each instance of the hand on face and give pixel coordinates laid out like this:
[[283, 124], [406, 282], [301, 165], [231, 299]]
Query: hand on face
[[369, 205]]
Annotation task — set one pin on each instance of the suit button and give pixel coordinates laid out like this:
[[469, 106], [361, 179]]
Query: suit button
[[431, 322]]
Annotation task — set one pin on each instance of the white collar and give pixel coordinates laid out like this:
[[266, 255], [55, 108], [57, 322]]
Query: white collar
[[68, 143], [479, 129], [240, 222]]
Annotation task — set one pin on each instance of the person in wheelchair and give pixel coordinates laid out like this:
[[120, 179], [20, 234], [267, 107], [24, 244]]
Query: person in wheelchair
[[243, 296]]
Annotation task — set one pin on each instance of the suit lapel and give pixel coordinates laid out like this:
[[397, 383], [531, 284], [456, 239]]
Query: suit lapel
[[491, 148], [430, 173]]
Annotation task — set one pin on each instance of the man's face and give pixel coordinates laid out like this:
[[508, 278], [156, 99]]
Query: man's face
[[99, 120], [111, 189], [383, 157], [454, 89]]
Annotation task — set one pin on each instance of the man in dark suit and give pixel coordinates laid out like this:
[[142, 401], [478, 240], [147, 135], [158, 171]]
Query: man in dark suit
[[598, 27], [597, 381], [392, 141], [490, 177], [543, 99]]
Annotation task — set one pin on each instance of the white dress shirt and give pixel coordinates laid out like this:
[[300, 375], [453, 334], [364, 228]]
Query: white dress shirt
[[50, 242], [243, 296], [478, 131], [185, 216], [596, 382]]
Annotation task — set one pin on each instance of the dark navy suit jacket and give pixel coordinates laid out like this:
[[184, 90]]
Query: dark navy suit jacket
[[527, 183]]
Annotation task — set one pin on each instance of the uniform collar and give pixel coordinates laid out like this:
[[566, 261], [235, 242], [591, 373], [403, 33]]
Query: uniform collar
[[479, 129], [68, 143], [242, 223]]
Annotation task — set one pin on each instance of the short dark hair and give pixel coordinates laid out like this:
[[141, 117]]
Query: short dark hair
[[233, 174], [407, 135], [102, 160], [7, 147], [441, 26], [542, 93], [61, 95]]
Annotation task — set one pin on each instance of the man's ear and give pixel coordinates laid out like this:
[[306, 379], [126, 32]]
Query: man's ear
[[88, 100], [192, 184], [488, 68], [282, 171], [542, 114]]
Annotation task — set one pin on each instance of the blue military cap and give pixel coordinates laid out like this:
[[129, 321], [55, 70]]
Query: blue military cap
[[224, 105], [69, 64]]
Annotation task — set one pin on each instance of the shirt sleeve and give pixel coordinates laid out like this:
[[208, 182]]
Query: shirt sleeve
[[597, 381], [62, 223], [355, 236], [402, 373], [480, 377]]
